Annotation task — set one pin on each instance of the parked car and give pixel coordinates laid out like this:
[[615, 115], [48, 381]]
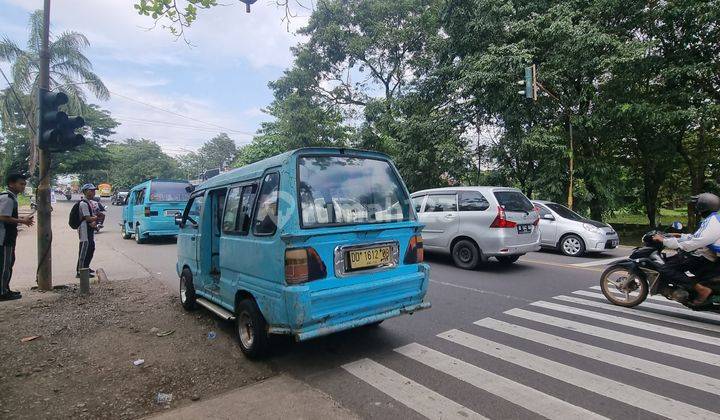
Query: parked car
[[119, 198], [306, 243], [571, 233], [476, 223], [151, 208]]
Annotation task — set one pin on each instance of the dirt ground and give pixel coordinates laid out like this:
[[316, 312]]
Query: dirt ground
[[82, 365]]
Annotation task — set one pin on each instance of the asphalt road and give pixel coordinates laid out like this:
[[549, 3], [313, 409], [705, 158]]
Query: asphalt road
[[532, 354]]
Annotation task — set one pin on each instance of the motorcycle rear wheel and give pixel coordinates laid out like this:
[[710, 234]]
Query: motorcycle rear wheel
[[635, 294]]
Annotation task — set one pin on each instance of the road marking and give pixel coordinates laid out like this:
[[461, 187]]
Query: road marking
[[604, 261], [517, 393], [658, 298], [629, 322], [668, 308], [620, 337], [643, 314], [554, 264], [485, 292], [408, 392], [658, 370], [627, 394]]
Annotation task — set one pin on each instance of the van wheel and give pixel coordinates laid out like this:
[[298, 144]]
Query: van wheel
[[465, 254], [251, 330], [507, 259], [187, 290], [124, 232], [572, 246], [138, 237]]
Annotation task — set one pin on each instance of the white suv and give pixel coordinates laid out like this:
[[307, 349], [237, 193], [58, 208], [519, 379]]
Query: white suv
[[475, 223]]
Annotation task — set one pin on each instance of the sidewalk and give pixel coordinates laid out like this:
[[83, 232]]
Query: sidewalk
[[65, 251], [281, 397]]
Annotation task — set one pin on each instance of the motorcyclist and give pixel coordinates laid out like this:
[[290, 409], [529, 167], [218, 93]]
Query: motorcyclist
[[704, 246]]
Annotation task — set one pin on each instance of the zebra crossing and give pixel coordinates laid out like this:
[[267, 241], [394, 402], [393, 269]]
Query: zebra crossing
[[660, 361]]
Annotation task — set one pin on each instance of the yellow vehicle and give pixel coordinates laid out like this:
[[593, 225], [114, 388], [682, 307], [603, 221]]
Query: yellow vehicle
[[105, 190]]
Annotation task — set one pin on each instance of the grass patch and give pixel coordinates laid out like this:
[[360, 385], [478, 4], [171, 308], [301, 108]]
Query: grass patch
[[665, 217]]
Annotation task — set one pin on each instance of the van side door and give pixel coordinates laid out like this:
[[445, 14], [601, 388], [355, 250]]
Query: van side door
[[440, 217], [128, 211], [138, 209], [187, 241]]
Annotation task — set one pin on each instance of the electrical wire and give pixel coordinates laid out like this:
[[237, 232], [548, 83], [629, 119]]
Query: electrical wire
[[20, 105]]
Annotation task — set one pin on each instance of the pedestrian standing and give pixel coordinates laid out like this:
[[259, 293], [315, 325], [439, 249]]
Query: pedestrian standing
[[86, 229], [9, 221]]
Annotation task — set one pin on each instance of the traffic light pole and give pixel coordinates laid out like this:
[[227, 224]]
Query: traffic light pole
[[44, 225]]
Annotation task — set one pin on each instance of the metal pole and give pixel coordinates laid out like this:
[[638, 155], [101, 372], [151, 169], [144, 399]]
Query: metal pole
[[44, 227], [84, 281], [572, 166]]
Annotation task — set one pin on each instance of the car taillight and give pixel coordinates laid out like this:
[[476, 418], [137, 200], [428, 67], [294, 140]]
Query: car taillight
[[415, 252], [500, 220], [537, 211], [147, 211], [303, 265]]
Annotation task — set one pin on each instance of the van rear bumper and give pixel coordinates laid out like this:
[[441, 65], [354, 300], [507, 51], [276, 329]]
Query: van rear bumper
[[321, 312]]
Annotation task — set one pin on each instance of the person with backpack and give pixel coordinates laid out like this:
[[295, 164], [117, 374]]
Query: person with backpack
[[83, 219], [9, 220]]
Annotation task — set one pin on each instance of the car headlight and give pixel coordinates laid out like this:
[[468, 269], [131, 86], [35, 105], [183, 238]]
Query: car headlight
[[591, 228]]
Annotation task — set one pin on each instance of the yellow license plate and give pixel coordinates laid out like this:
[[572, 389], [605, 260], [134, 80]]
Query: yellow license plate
[[371, 257]]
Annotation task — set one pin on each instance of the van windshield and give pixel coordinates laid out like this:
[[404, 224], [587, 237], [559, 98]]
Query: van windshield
[[513, 201], [169, 191], [337, 190]]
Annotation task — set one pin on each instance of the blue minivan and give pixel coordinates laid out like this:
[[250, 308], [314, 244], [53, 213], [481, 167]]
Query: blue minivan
[[151, 207], [306, 243]]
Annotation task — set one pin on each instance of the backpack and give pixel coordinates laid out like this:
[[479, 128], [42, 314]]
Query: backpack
[[74, 220]]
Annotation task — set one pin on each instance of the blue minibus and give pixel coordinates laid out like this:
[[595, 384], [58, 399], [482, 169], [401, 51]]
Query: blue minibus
[[151, 207]]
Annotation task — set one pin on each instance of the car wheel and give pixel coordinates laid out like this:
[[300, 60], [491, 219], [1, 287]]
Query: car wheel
[[124, 232], [507, 259], [138, 237], [465, 254], [187, 290], [251, 330], [572, 246]]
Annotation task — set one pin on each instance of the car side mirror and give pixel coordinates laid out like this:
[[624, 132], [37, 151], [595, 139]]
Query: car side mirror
[[548, 217]]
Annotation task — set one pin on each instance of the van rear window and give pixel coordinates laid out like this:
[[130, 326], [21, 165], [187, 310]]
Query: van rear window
[[340, 190], [513, 201], [169, 191]]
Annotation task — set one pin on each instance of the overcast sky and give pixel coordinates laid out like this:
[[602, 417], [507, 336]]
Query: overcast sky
[[221, 80]]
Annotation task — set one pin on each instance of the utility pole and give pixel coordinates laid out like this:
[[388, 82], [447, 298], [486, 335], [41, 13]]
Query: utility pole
[[44, 226]]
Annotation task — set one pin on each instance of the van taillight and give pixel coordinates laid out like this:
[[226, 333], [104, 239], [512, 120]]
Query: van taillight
[[303, 265], [415, 252], [147, 211], [500, 220]]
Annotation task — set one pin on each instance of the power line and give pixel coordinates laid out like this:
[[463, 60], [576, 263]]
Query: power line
[[142, 121], [20, 105], [181, 115]]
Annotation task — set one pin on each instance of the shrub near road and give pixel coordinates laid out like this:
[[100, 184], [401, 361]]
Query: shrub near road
[[82, 363]]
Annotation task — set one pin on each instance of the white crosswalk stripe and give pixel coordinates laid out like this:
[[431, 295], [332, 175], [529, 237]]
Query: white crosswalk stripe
[[641, 314], [674, 308], [618, 391], [643, 394], [519, 394], [629, 322], [620, 337], [658, 370], [410, 393]]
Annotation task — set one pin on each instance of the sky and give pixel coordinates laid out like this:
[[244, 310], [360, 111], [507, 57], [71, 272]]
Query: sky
[[221, 82]]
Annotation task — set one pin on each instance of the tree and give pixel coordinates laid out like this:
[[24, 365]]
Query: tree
[[134, 161], [218, 152], [70, 70]]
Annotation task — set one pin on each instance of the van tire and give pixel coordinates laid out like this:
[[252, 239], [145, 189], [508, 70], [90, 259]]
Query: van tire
[[251, 330], [465, 254], [507, 259], [188, 298], [124, 232], [138, 237]]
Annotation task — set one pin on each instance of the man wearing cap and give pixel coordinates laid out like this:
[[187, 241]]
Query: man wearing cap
[[86, 230], [9, 221]]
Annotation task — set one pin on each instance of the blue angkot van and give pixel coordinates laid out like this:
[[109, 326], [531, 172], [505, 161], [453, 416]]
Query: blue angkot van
[[306, 243], [151, 207]]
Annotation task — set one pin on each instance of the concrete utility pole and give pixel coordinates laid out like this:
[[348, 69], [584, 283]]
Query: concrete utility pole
[[44, 225]]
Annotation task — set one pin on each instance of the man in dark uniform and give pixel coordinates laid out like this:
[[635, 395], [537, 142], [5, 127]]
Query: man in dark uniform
[[9, 221]]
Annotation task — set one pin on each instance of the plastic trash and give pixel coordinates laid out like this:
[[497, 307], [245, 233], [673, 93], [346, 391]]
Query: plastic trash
[[163, 398], [139, 362], [165, 333], [211, 335]]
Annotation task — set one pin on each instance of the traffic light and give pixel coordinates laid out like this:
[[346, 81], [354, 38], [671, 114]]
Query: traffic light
[[57, 130], [530, 83]]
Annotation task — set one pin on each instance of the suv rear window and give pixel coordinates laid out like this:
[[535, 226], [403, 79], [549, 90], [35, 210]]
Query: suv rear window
[[340, 190], [513, 201], [169, 191]]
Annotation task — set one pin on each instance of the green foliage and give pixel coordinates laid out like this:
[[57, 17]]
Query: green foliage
[[134, 161]]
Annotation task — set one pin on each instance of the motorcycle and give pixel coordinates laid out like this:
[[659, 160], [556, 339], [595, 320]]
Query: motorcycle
[[629, 282]]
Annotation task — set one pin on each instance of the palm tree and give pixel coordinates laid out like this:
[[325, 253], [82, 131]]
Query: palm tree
[[70, 71]]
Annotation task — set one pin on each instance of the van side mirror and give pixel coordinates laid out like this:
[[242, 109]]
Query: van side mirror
[[548, 217], [179, 219]]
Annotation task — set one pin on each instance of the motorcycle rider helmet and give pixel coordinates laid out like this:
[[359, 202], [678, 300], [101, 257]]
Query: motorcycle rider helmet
[[705, 204]]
